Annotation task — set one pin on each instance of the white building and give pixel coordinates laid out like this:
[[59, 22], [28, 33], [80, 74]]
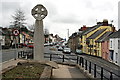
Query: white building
[[2, 38], [115, 48]]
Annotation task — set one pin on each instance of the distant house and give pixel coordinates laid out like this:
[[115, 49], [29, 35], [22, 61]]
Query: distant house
[[26, 37], [6, 33], [2, 37], [115, 47], [75, 39]]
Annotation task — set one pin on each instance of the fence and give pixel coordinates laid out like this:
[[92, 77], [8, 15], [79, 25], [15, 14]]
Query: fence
[[98, 71]]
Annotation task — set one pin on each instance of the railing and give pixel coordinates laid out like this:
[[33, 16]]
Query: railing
[[94, 69]]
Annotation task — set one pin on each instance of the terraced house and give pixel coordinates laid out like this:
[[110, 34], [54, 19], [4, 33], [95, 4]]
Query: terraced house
[[89, 38], [114, 47]]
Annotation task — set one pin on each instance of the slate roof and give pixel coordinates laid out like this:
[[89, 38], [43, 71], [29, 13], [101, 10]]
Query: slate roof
[[94, 35], [80, 33], [104, 37], [93, 28], [116, 34]]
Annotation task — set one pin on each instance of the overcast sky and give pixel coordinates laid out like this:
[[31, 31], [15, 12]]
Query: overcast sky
[[63, 14]]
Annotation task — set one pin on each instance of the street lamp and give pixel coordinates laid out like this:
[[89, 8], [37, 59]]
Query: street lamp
[[68, 33]]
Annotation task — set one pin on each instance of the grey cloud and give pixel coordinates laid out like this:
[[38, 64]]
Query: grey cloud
[[9, 6], [52, 11], [66, 19]]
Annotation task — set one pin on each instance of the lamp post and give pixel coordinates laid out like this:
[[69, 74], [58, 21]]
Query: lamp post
[[68, 33]]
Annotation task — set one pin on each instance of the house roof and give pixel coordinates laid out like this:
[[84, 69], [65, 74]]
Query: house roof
[[116, 34], [91, 29], [104, 37], [93, 36]]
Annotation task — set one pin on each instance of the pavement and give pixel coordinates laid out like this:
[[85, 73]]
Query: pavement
[[64, 71]]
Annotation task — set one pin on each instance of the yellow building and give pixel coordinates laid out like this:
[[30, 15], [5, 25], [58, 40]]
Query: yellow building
[[89, 37]]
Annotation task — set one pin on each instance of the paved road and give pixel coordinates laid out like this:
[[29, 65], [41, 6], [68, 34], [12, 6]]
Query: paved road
[[9, 54]]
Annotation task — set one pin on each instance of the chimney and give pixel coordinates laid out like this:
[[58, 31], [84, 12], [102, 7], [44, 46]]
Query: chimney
[[113, 29], [83, 28], [105, 22]]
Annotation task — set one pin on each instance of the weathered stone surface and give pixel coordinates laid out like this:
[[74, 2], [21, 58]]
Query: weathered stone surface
[[39, 12], [47, 73], [52, 64]]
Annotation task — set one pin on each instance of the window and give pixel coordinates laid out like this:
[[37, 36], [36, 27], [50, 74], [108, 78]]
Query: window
[[110, 44]]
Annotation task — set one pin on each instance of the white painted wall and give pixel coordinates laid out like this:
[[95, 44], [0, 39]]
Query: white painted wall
[[2, 39], [119, 52], [114, 46]]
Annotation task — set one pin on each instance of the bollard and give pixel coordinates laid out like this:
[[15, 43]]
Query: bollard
[[89, 67], [82, 62], [101, 73], [85, 64], [50, 57], [18, 54], [94, 70], [77, 59], [63, 58], [21, 54], [111, 76]]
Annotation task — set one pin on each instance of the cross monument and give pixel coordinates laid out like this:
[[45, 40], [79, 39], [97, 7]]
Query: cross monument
[[39, 12]]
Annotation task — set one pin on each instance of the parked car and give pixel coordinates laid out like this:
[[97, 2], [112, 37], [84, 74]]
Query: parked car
[[52, 48], [57, 46], [67, 50], [30, 45], [60, 49], [51, 44], [78, 51], [46, 44]]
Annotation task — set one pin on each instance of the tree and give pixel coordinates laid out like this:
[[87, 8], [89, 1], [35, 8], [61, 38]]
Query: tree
[[19, 21], [19, 18]]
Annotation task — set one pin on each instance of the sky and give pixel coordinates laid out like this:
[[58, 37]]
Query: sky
[[63, 14]]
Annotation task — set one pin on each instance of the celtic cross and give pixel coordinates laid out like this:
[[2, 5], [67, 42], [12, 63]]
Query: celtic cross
[[39, 12]]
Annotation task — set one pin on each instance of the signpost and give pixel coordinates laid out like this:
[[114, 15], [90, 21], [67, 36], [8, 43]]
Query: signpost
[[39, 12], [15, 33]]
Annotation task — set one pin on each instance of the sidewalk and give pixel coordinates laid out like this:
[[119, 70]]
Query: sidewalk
[[65, 71]]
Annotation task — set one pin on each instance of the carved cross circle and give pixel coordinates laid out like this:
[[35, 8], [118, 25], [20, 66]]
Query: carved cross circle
[[39, 12]]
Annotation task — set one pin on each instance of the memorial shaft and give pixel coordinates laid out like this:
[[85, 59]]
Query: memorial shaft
[[39, 41]]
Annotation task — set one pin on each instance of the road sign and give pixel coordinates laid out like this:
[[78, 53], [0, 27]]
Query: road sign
[[16, 32]]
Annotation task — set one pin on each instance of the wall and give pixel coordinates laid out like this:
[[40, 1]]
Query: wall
[[105, 50]]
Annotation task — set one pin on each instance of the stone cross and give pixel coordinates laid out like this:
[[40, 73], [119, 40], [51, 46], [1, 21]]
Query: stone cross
[[39, 12]]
